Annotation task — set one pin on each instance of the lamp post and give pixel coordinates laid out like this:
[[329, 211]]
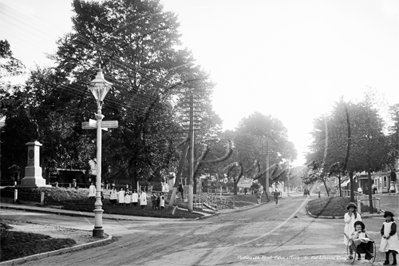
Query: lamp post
[[99, 87]]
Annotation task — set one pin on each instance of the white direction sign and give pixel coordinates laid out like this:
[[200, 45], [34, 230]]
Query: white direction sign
[[2, 121], [104, 125]]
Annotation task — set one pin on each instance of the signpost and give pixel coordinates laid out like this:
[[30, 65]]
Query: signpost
[[92, 124], [99, 124]]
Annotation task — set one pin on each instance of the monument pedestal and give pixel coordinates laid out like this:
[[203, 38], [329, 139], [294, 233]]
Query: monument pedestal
[[33, 171]]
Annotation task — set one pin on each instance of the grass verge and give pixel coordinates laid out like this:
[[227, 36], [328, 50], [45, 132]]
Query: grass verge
[[332, 206], [14, 245]]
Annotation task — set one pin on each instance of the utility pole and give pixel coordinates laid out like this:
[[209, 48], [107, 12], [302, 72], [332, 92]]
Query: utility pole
[[191, 163], [267, 168], [288, 180]]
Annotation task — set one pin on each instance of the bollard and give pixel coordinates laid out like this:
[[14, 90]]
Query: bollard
[[56, 184], [15, 195], [42, 198], [70, 185], [359, 206]]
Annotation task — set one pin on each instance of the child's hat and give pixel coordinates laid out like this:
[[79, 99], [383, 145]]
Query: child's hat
[[361, 224], [388, 213], [351, 204]]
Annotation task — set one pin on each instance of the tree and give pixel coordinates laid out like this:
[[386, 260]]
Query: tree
[[138, 47], [252, 134], [362, 135], [18, 128]]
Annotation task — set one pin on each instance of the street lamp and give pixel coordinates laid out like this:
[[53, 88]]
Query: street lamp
[[99, 87]]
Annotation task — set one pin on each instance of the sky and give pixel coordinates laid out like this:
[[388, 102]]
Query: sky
[[291, 59]]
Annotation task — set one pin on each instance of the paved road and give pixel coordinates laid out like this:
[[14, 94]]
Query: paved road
[[267, 235]]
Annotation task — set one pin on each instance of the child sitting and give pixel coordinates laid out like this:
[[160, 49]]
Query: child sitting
[[361, 241]]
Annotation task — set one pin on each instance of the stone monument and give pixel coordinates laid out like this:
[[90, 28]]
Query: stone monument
[[33, 171]]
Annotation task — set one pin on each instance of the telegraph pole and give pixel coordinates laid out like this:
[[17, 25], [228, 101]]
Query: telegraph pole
[[288, 178], [267, 167], [191, 162]]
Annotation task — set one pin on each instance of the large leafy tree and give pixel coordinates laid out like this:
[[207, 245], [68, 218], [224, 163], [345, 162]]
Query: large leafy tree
[[352, 136], [13, 105], [137, 45], [251, 142]]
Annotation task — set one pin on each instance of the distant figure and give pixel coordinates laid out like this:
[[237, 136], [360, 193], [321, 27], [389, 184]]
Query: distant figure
[[259, 196], [143, 199], [374, 188], [154, 201], [92, 191], [74, 184], [135, 198], [276, 194], [128, 197], [113, 196], [121, 196], [181, 190], [162, 201], [360, 190], [158, 201]]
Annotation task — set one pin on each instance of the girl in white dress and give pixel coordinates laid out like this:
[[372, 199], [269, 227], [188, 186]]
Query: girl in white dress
[[135, 198], [92, 191], [128, 197], [143, 199], [350, 218], [121, 196], [162, 201], [389, 239], [113, 196]]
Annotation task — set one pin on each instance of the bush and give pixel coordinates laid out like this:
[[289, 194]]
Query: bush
[[53, 195]]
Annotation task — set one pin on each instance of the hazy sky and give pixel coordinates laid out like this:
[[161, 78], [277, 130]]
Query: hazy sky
[[290, 59]]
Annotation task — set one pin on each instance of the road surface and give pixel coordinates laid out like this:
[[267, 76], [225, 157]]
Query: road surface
[[266, 235]]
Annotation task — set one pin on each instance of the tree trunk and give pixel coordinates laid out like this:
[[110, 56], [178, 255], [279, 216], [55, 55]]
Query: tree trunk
[[339, 185], [235, 187], [325, 185], [134, 182], [179, 171], [351, 185], [370, 192]]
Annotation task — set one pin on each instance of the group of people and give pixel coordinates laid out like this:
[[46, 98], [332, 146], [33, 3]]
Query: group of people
[[127, 197], [158, 201], [357, 238]]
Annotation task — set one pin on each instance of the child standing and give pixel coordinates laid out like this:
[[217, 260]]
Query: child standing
[[350, 218], [135, 198], [143, 199], [154, 201], [92, 191], [121, 196], [128, 197], [389, 239], [113, 196], [162, 201]]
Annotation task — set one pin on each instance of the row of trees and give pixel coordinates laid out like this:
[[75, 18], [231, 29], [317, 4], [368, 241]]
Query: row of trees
[[138, 47], [353, 138]]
